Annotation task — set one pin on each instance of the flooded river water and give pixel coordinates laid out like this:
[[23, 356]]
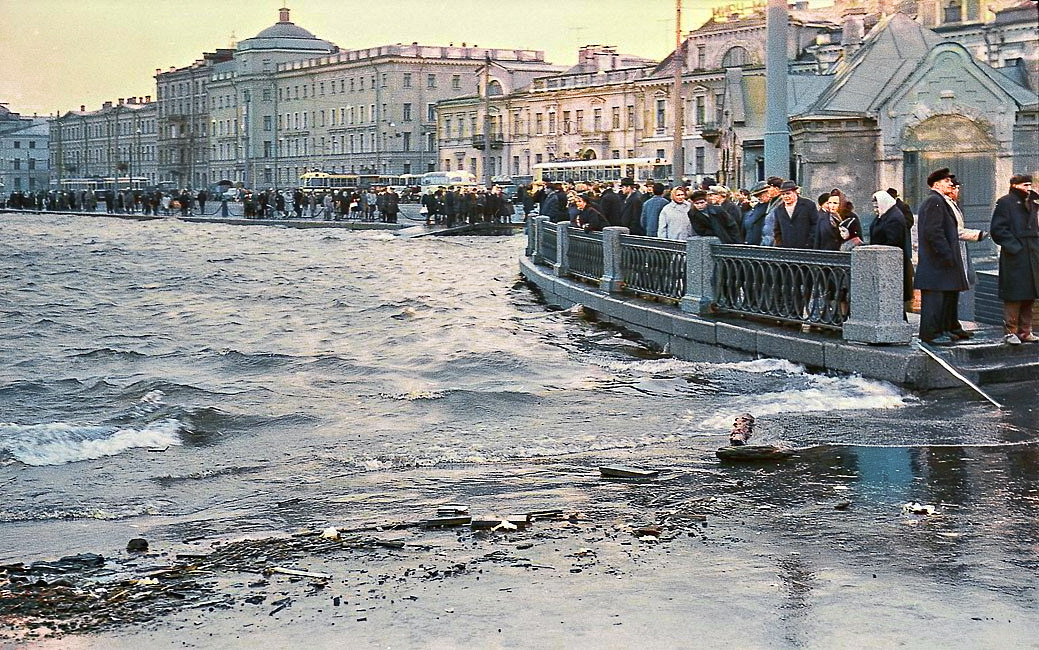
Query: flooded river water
[[204, 380]]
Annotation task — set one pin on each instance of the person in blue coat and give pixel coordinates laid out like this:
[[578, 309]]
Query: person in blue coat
[[651, 208], [940, 271]]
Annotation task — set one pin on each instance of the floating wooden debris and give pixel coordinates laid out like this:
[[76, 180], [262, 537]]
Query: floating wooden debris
[[742, 429], [301, 574], [753, 453], [448, 521], [623, 471]]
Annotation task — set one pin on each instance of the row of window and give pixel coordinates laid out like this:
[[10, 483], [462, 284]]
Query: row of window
[[104, 129], [100, 154]]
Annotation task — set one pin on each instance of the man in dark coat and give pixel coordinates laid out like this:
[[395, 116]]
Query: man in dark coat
[[390, 206], [940, 271], [631, 211], [754, 220], [792, 222], [711, 220], [611, 205], [1015, 227]]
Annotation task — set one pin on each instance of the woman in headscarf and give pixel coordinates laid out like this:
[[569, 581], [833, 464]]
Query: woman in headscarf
[[674, 217], [890, 229]]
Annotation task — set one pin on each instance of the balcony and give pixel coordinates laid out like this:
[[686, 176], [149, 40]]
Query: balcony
[[497, 141], [595, 138], [710, 131]]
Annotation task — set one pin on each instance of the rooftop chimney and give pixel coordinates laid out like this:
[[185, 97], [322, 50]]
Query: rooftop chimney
[[283, 15], [854, 31]]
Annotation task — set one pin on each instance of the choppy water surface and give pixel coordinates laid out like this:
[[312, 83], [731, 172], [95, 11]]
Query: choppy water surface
[[225, 379]]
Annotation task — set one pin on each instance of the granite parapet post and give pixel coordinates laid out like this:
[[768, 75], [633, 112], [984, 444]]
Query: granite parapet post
[[877, 309], [562, 265], [699, 276], [612, 280]]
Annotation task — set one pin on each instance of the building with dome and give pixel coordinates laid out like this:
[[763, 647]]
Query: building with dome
[[288, 102]]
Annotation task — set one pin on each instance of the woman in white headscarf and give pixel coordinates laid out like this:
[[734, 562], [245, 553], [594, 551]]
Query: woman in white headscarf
[[889, 229]]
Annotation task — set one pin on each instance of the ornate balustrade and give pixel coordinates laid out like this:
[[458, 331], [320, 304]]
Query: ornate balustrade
[[805, 286], [586, 254], [653, 267], [858, 293]]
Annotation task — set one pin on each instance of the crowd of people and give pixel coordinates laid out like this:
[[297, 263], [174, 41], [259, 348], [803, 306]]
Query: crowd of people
[[126, 201], [773, 213]]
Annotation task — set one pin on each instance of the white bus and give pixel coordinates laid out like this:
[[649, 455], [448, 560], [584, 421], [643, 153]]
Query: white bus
[[610, 170], [433, 180]]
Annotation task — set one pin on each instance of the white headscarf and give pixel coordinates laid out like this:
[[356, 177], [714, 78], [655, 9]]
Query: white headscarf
[[884, 202]]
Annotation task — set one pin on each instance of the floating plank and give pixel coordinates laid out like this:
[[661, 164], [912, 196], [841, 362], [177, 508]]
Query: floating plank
[[931, 352], [623, 471], [753, 453], [447, 521]]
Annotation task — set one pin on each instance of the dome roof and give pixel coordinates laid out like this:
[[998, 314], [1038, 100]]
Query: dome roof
[[285, 30], [285, 35]]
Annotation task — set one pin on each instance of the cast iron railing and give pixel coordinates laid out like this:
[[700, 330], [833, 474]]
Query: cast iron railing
[[806, 286], [585, 254], [654, 267]]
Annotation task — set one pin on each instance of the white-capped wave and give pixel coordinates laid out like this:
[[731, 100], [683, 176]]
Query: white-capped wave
[[58, 443], [821, 394]]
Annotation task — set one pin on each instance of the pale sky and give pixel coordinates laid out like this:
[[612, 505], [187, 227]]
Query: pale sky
[[58, 54]]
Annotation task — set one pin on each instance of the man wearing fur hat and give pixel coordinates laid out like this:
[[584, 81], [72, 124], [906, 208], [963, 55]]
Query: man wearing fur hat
[[940, 271]]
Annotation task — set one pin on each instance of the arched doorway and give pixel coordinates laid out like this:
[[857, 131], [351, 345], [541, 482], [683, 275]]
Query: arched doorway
[[588, 154], [963, 145]]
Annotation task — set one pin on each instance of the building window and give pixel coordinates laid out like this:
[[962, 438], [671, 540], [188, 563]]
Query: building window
[[615, 154], [736, 57], [494, 88], [515, 166], [431, 81], [17, 144], [267, 148], [431, 112], [32, 144], [698, 160], [456, 82], [719, 108], [384, 76], [268, 123], [17, 163], [551, 122], [566, 121], [631, 116], [431, 142], [538, 158], [953, 12], [660, 154], [407, 112], [538, 123], [407, 80], [701, 57], [616, 116], [406, 141], [699, 110], [661, 114], [580, 120], [597, 119]]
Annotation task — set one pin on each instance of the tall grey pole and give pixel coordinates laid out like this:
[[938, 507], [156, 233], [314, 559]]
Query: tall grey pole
[[487, 120], [677, 155], [777, 130]]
